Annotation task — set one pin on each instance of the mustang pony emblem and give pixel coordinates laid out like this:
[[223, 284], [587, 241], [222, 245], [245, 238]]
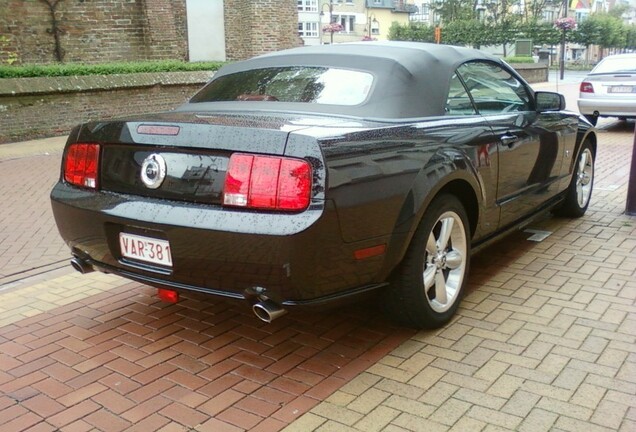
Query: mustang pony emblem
[[153, 171]]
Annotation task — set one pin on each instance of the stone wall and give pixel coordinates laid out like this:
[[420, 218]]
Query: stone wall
[[532, 72], [41, 107]]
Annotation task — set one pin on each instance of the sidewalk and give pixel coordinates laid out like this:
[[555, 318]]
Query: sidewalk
[[544, 340], [29, 241]]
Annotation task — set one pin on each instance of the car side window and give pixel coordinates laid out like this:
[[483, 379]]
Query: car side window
[[458, 101], [493, 89]]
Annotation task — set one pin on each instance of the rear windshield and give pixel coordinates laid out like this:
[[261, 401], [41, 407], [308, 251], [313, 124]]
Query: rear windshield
[[616, 64], [321, 85]]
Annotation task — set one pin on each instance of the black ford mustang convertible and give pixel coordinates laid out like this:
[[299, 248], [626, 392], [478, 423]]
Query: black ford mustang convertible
[[313, 175]]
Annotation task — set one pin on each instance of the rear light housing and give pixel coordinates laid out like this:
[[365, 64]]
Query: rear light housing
[[81, 165], [267, 183], [586, 87]]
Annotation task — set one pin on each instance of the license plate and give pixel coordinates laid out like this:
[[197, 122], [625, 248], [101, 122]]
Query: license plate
[[150, 250], [622, 89]]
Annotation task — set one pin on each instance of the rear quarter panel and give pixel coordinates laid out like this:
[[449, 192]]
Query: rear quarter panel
[[382, 179]]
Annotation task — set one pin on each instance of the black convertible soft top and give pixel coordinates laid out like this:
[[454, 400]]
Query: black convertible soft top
[[411, 79]]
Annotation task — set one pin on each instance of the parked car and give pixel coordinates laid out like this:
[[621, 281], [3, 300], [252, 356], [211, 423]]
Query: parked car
[[610, 89], [312, 176]]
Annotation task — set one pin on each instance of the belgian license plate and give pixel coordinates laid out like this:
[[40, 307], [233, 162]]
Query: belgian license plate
[[622, 89], [150, 250]]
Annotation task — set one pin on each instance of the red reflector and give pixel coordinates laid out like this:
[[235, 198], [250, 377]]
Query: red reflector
[[81, 165], [369, 252], [586, 87], [267, 182], [168, 296]]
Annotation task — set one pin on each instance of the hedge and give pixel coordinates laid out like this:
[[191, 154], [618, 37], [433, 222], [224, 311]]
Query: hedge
[[75, 69], [519, 59]]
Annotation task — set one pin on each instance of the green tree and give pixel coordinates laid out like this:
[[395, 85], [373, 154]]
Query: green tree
[[587, 33], [630, 37], [466, 32], [454, 10], [416, 32], [541, 33], [612, 34]]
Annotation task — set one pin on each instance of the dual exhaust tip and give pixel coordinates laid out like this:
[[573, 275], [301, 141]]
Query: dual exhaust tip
[[265, 310]]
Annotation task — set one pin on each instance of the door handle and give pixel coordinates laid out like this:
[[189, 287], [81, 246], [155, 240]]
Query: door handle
[[509, 140]]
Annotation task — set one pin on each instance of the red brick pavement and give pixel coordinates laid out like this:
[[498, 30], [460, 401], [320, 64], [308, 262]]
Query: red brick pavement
[[29, 240], [124, 361]]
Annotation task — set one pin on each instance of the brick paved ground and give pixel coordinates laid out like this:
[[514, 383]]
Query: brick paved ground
[[544, 340], [29, 241]]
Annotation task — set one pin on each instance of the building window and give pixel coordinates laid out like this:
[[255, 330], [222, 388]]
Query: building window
[[347, 22], [308, 29], [581, 16], [308, 5], [548, 15]]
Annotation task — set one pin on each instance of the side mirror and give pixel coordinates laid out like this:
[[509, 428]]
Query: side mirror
[[549, 101]]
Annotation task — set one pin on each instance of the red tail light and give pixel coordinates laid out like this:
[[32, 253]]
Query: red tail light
[[267, 182], [586, 87], [81, 165]]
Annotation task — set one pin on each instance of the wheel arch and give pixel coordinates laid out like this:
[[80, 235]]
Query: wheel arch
[[467, 196], [459, 186], [585, 133]]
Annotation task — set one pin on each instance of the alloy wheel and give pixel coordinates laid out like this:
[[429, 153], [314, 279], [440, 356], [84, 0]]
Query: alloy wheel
[[445, 264], [584, 177]]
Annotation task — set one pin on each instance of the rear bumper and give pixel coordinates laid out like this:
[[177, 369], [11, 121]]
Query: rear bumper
[[329, 300], [615, 107], [296, 259]]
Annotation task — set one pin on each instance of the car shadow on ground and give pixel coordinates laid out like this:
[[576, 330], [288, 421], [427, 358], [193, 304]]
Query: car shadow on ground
[[618, 126]]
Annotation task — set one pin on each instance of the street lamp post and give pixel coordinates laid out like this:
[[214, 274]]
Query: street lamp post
[[562, 59], [371, 20], [322, 13]]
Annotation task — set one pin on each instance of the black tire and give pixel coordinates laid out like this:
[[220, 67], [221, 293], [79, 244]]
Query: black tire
[[579, 192], [427, 286], [592, 119]]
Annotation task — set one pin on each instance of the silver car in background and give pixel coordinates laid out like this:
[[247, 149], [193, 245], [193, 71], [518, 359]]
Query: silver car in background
[[609, 90]]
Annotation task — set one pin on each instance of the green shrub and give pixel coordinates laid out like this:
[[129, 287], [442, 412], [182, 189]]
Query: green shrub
[[74, 69], [520, 59]]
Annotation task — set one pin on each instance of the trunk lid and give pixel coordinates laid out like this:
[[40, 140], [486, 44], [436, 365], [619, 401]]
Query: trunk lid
[[618, 85], [195, 149]]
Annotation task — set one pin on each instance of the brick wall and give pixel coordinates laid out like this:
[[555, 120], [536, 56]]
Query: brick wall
[[127, 30], [41, 107], [258, 27], [94, 30]]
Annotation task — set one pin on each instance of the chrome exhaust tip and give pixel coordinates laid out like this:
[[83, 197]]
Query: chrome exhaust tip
[[268, 311], [81, 266]]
